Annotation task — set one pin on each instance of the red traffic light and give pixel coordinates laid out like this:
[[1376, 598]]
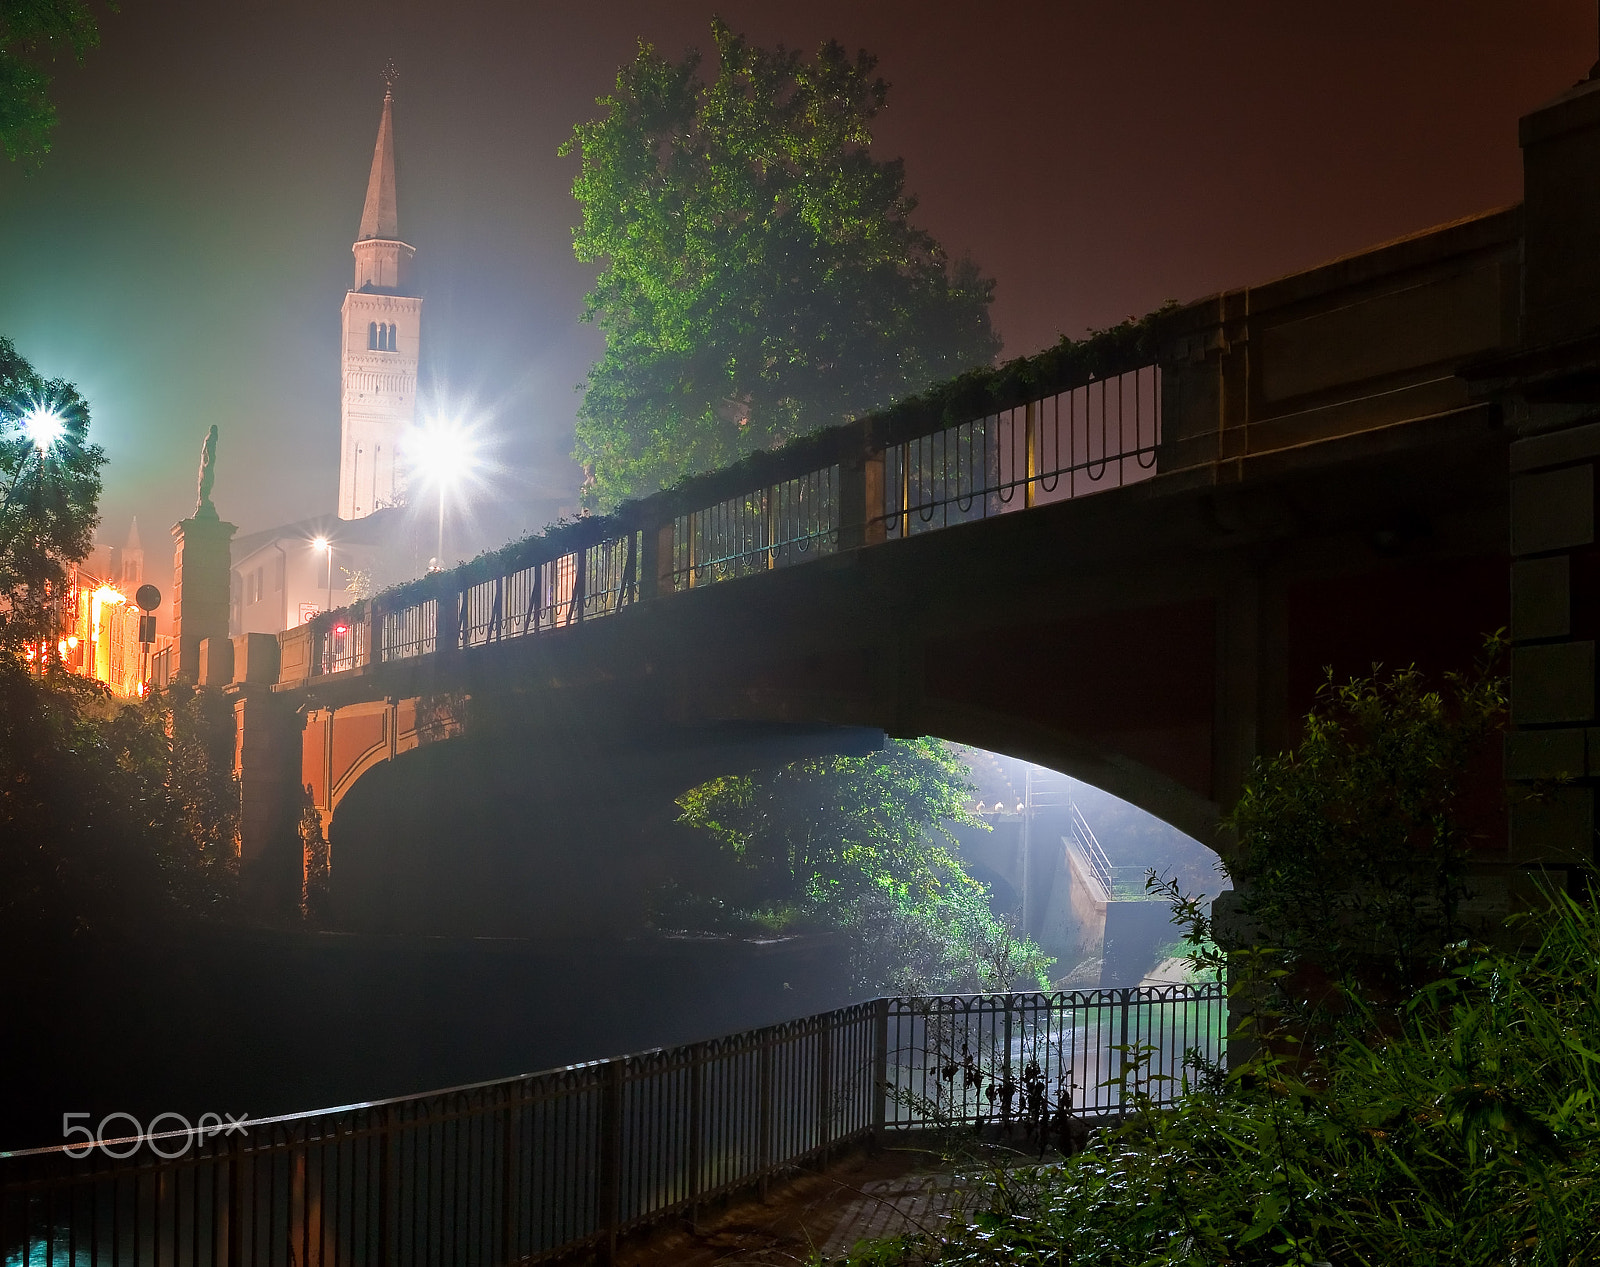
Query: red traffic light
[[341, 629]]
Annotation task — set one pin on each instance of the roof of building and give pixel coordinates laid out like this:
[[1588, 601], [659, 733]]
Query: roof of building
[[377, 529]]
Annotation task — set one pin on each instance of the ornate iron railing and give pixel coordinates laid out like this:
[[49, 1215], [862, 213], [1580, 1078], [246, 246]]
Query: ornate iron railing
[[533, 1167], [756, 531], [1092, 421], [1100, 435]]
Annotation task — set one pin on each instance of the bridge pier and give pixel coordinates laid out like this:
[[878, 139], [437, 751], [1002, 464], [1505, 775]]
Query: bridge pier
[[267, 765]]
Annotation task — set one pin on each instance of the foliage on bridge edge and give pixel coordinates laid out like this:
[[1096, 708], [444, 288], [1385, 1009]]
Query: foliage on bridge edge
[[974, 394]]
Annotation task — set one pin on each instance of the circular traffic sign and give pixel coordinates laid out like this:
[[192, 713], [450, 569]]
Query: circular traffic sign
[[148, 597]]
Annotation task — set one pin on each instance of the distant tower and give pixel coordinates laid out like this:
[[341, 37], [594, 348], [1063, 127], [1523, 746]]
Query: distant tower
[[382, 336]]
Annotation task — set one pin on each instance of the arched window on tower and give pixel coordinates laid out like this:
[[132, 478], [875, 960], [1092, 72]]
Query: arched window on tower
[[391, 336], [372, 336]]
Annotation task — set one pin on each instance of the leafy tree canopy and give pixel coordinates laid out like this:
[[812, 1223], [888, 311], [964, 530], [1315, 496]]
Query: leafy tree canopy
[[762, 277], [864, 844], [34, 33], [49, 494], [838, 827]]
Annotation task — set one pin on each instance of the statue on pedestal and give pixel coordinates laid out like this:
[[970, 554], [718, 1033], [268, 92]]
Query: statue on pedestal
[[203, 509]]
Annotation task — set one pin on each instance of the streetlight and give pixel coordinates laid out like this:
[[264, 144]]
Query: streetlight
[[322, 545], [44, 426], [443, 453]]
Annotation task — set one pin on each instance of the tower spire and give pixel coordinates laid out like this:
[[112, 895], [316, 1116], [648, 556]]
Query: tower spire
[[381, 343], [380, 216]]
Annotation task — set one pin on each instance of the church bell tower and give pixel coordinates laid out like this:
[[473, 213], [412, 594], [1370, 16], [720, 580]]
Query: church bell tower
[[382, 337]]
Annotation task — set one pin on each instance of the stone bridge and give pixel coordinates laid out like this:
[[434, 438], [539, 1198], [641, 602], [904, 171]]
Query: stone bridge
[[1130, 560]]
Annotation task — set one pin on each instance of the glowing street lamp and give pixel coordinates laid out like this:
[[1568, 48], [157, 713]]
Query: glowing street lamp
[[322, 545], [443, 453], [44, 427]]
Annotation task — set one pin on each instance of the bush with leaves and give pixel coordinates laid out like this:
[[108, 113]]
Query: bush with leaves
[[111, 814], [1351, 851]]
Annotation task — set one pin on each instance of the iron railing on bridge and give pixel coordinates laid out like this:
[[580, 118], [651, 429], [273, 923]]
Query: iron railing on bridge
[[1070, 422], [547, 1164]]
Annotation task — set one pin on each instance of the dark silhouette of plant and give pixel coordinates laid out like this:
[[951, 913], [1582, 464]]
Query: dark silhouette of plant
[[111, 814], [1351, 850]]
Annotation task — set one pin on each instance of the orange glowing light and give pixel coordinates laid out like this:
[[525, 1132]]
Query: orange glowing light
[[72, 641]]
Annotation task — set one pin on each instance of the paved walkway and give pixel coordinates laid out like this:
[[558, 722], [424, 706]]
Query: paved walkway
[[865, 1196]]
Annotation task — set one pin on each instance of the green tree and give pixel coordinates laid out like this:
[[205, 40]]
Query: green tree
[[762, 277], [865, 844], [34, 34], [49, 494], [827, 828]]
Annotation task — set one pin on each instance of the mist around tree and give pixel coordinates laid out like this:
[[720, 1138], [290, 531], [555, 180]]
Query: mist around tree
[[761, 277]]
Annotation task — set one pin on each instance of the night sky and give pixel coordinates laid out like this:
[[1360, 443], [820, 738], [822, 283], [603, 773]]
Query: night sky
[[183, 253]]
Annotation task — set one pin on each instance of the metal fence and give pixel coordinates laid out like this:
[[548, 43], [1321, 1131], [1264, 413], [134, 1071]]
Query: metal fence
[[1034, 1059], [533, 1167]]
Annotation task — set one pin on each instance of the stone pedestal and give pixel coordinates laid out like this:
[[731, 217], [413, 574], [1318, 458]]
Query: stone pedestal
[[201, 576]]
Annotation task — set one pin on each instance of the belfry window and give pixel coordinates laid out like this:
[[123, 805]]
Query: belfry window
[[372, 336]]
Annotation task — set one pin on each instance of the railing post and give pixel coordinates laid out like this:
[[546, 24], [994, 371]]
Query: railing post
[[447, 620], [825, 1085], [691, 546], [1006, 1079], [608, 1204], [1030, 432], [764, 1113], [880, 1071], [388, 1195], [861, 508], [580, 583], [1122, 1069], [508, 1224], [662, 535], [697, 1086], [236, 1204]]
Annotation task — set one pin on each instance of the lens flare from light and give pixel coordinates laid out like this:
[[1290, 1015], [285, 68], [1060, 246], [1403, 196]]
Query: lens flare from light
[[44, 427], [443, 453]]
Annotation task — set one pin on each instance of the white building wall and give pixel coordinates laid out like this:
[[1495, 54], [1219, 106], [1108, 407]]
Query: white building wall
[[378, 397]]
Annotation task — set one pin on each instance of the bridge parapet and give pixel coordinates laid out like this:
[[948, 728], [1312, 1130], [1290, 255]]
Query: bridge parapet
[[1076, 419], [1361, 342]]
